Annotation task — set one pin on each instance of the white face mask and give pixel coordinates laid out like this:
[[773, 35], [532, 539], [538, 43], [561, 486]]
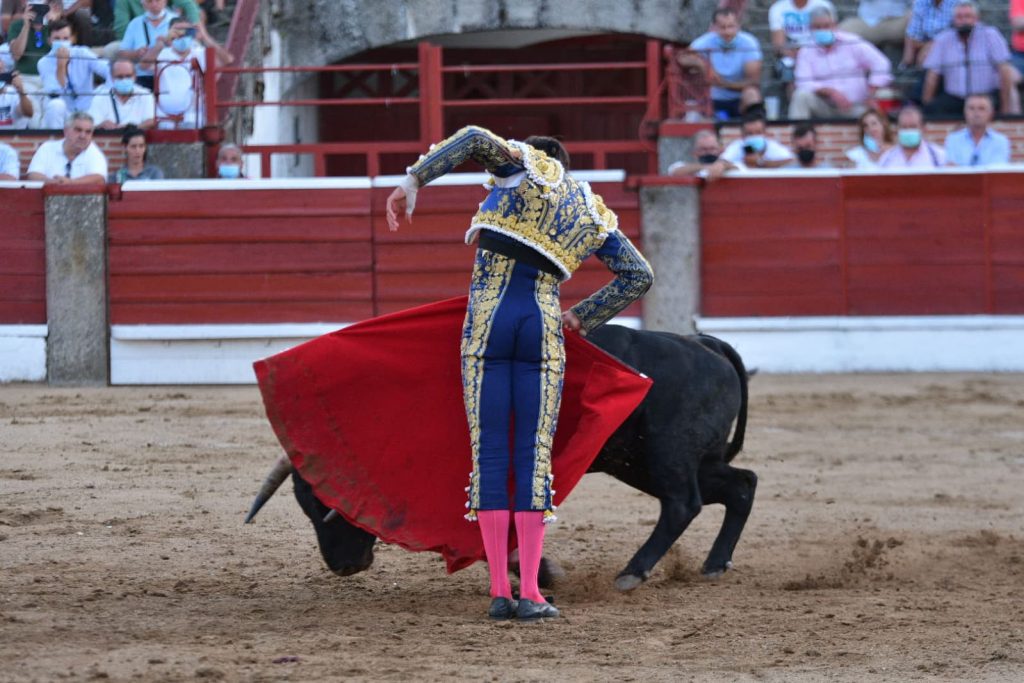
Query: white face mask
[[159, 15]]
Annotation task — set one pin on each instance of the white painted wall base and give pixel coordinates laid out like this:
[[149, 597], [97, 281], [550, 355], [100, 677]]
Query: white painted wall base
[[22, 353], [979, 343], [224, 354], [200, 354]]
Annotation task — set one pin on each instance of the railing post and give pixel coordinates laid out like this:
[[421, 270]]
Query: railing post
[[654, 80], [431, 93], [210, 87]]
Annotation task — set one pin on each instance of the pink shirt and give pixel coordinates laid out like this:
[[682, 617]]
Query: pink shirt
[[926, 155], [850, 66], [1017, 10]]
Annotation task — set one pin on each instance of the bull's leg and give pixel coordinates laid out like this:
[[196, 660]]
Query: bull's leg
[[676, 515], [734, 488]]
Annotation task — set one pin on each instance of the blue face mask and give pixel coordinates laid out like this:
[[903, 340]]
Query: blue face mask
[[824, 37], [58, 44], [755, 142], [124, 86], [870, 144], [183, 44], [229, 171], [910, 137]]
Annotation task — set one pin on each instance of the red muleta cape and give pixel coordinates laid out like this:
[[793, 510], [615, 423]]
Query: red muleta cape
[[372, 417]]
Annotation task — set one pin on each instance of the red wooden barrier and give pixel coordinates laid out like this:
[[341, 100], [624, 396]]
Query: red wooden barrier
[[276, 256], [22, 258], [243, 256], [942, 244]]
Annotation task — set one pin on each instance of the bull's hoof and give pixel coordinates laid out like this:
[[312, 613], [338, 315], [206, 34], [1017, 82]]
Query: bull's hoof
[[716, 572], [550, 573], [349, 570], [628, 582]]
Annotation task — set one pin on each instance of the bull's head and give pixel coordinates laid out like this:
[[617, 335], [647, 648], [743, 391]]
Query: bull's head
[[346, 549]]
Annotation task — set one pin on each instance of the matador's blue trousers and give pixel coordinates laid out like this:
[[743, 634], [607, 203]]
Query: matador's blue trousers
[[513, 361]]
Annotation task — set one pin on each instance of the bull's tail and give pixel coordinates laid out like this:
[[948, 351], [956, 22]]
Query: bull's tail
[[736, 445]]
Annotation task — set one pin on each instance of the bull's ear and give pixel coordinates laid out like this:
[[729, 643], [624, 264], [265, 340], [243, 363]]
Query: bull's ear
[[278, 473]]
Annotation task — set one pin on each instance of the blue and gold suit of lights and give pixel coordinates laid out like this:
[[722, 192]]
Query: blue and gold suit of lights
[[513, 356]]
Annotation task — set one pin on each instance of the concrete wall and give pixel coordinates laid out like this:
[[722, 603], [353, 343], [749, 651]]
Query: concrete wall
[[329, 30]]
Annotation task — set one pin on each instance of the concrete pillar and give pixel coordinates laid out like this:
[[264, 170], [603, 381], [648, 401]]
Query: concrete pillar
[[179, 160], [77, 351], [670, 215]]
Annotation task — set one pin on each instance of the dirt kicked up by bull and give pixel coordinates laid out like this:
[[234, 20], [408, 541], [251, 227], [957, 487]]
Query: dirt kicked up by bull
[[676, 446]]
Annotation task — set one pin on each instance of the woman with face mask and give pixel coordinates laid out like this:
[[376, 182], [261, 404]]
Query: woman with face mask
[[874, 131], [135, 166]]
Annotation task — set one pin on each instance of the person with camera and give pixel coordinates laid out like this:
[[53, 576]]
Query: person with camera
[[180, 56], [29, 40], [142, 34], [68, 73], [16, 107], [754, 149]]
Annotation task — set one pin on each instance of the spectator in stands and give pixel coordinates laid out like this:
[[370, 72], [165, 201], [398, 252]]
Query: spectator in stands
[[185, 53], [977, 144], [880, 22], [142, 34], [754, 149], [73, 160], [928, 18], [229, 162], [126, 10], [29, 41], [876, 137], [707, 147], [805, 147], [10, 167], [1017, 35], [135, 163], [732, 61], [971, 58], [16, 107], [123, 103], [838, 75], [912, 150], [790, 23], [214, 13], [68, 73]]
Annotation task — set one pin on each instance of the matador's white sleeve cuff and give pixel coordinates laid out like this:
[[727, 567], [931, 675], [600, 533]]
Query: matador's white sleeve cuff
[[411, 187]]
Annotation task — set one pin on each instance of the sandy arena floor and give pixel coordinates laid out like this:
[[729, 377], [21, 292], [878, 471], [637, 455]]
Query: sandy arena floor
[[886, 543]]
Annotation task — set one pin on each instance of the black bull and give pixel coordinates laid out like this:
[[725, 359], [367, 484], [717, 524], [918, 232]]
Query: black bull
[[675, 446]]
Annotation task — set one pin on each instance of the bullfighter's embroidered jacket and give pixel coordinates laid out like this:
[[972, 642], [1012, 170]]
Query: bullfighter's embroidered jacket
[[533, 200]]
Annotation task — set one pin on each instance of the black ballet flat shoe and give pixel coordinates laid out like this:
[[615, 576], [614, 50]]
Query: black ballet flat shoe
[[529, 610], [502, 608]]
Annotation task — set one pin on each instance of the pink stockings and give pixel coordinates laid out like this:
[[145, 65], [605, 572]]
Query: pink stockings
[[530, 532], [494, 529]]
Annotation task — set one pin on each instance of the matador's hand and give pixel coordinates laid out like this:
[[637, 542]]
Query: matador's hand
[[571, 321], [396, 206]]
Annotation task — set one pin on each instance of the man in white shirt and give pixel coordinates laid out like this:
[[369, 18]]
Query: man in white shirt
[[754, 149], [68, 75], [16, 106], [10, 167], [74, 160], [125, 102]]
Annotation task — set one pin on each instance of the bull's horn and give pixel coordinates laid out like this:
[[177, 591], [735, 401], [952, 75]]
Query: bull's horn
[[282, 468], [330, 516]]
